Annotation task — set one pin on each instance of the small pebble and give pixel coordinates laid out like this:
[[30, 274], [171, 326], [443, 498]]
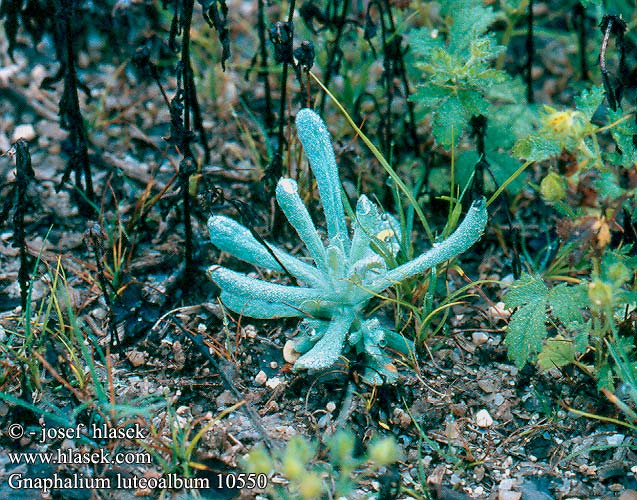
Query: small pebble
[[483, 419], [506, 484], [136, 358], [24, 131], [289, 354], [260, 378], [479, 338], [250, 331], [331, 406], [273, 382], [615, 440], [274, 365], [487, 385]]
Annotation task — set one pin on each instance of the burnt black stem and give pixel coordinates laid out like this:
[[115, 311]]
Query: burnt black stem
[[579, 15], [191, 103], [186, 68], [284, 88], [610, 93], [225, 370], [70, 113], [24, 174], [388, 77], [94, 237], [187, 167], [264, 73], [479, 130], [616, 26], [335, 52], [530, 55]]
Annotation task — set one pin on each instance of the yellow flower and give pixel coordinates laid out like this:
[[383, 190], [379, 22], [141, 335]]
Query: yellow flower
[[565, 124]]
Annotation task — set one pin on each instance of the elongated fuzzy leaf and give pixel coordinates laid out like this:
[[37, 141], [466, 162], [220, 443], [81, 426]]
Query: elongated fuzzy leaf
[[287, 196], [468, 232], [315, 138], [242, 285], [255, 308], [230, 236], [372, 226], [327, 350]]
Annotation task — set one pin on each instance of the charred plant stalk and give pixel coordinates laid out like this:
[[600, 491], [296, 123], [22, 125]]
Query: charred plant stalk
[[530, 54], [616, 26], [187, 167], [334, 52], [24, 175], [94, 237], [579, 18], [70, 113], [479, 130], [191, 103], [264, 74], [284, 87]]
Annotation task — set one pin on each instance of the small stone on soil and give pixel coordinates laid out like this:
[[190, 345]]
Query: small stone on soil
[[483, 419], [24, 131], [260, 378], [479, 338]]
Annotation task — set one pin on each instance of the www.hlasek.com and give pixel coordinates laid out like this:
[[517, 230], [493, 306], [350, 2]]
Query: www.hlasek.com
[[18, 479]]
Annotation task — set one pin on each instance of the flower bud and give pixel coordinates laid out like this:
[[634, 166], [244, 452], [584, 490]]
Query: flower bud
[[600, 294], [552, 187]]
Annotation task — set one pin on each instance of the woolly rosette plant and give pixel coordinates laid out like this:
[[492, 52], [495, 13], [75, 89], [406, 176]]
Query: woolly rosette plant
[[345, 272]]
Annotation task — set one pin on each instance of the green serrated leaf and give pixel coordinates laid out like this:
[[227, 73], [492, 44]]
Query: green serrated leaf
[[557, 352], [528, 289], [564, 301], [580, 333], [589, 101], [526, 333], [449, 122], [535, 148]]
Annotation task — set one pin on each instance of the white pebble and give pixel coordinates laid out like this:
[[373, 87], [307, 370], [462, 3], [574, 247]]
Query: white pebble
[[615, 440], [24, 131], [479, 338], [483, 419], [261, 378], [273, 382], [290, 355]]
